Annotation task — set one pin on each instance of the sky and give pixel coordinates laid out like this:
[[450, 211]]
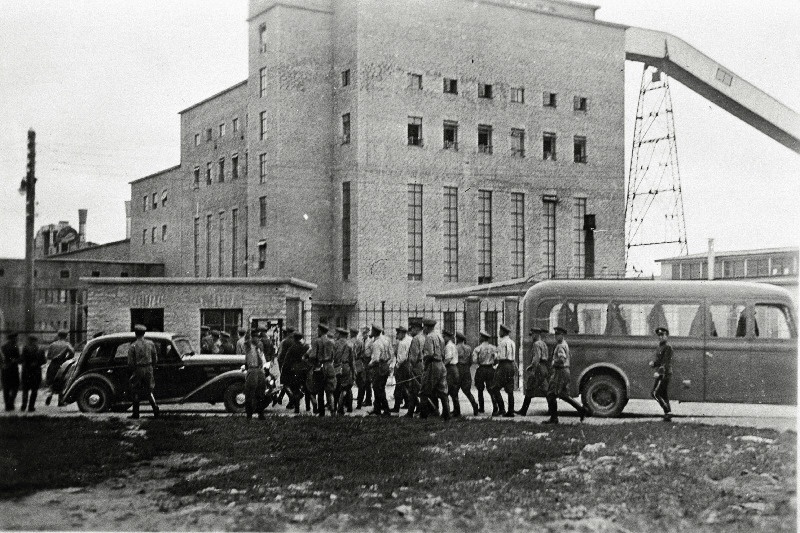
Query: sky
[[102, 81]]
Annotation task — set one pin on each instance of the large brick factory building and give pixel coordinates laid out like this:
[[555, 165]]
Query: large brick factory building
[[385, 151]]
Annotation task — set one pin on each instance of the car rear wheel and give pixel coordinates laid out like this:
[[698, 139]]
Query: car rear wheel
[[94, 397], [234, 397], [605, 395]]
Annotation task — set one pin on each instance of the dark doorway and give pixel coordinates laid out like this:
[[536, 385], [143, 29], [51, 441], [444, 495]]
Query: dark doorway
[[152, 319], [589, 225]]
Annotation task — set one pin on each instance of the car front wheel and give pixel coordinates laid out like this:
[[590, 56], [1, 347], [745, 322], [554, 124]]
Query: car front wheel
[[234, 397], [605, 395], [94, 397]]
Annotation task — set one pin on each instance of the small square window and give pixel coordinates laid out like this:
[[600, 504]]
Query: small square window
[[415, 131], [580, 103], [345, 78], [450, 86], [415, 81], [64, 274], [484, 90], [197, 139], [548, 99], [123, 274], [724, 77], [518, 95]]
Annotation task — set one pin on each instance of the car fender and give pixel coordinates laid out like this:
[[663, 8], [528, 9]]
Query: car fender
[[68, 395], [212, 390], [604, 366]]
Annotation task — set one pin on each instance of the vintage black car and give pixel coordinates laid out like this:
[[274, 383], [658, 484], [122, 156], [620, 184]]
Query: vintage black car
[[97, 378]]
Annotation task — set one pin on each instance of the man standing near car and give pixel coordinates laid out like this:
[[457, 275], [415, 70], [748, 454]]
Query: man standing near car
[[241, 343], [663, 372], [32, 361], [255, 382], [141, 358], [10, 377], [58, 352], [206, 340], [227, 347]]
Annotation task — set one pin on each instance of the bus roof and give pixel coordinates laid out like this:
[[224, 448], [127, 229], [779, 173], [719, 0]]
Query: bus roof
[[652, 289]]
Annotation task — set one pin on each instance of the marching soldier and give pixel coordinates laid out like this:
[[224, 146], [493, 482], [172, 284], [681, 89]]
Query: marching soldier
[[296, 370], [323, 374], [141, 358], [379, 366], [59, 351], [464, 374], [367, 357], [451, 367], [538, 372], [505, 372], [559, 380], [343, 365], [206, 340], [434, 378], [484, 356], [402, 372], [255, 381], [227, 347], [415, 366], [283, 349], [663, 372], [360, 377], [10, 377], [32, 361]]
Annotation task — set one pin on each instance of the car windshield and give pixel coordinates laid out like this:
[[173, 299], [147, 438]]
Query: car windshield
[[184, 347]]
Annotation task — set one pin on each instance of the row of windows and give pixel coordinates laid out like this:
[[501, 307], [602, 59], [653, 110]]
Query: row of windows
[[221, 131], [153, 233], [151, 201], [754, 267], [220, 168], [485, 139], [220, 245]]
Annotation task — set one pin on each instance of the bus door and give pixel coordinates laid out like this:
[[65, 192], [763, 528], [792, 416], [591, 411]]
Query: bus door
[[686, 323], [773, 352], [727, 354]]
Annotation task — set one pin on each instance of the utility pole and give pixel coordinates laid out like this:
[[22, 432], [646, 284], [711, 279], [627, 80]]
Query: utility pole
[[28, 186]]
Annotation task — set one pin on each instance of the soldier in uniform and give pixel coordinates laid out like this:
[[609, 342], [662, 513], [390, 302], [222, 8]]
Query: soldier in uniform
[[663, 372], [559, 380], [241, 342], [505, 372], [360, 377], [10, 377], [451, 367], [402, 372], [32, 361], [464, 351], [415, 366], [227, 347], [434, 377], [379, 367], [59, 351], [367, 357], [141, 358], [324, 376], [538, 372], [484, 356], [295, 370], [255, 381], [216, 342], [283, 349], [345, 370], [206, 340]]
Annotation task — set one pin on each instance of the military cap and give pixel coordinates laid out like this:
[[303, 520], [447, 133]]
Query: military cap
[[139, 328], [401, 329], [538, 330], [323, 327], [298, 334], [13, 335], [485, 334], [205, 328], [447, 333], [460, 336], [662, 329], [242, 331], [214, 333], [63, 333], [98, 334], [343, 331], [289, 330], [505, 328], [33, 338], [225, 334], [353, 331], [376, 327], [559, 329], [428, 322], [414, 324]]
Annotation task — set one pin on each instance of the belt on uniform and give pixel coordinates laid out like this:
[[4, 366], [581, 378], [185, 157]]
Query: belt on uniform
[[504, 361], [487, 365], [451, 364]]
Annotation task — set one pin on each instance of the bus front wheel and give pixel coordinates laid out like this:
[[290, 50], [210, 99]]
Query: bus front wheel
[[605, 395]]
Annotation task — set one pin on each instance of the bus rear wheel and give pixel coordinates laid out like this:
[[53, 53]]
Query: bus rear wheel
[[605, 395]]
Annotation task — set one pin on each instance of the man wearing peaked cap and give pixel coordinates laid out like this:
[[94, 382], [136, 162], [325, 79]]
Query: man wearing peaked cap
[[322, 373], [206, 340], [434, 377], [415, 366], [142, 356], [559, 386], [381, 355], [663, 372], [216, 342], [283, 349], [464, 351], [451, 367], [401, 374], [505, 372], [10, 358], [537, 372], [58, 352], [428, 322], [484, 356], [241, 347], [343, 365]]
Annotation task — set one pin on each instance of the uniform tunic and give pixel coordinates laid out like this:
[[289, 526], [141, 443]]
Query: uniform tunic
[[321, 359], [255, 382], [381, 354], [32, 361], [414, 364], [451, 365], [536, 379], [560, 378], [484, 356], [402, 371], [663, 374], [141, 358], [343, 364], [434, 378], [58, 352], [464, 363], [506, 355]]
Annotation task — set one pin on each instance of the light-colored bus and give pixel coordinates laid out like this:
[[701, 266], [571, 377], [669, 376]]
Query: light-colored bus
[[732, 341]]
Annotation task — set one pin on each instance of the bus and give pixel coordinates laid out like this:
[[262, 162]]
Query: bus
[[733, 342]]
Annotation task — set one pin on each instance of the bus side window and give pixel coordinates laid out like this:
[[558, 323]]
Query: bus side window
[[592, 318], [774, 320], [568, 317], [547, 314], [637, 317], [657, 319], [615, 324], [683, 319], [728, 320]]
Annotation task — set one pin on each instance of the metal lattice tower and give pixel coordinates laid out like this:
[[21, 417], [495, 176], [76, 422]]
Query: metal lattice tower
[[654, 221]]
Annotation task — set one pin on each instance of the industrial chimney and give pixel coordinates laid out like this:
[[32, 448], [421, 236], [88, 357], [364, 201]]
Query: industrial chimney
[[82, 226]]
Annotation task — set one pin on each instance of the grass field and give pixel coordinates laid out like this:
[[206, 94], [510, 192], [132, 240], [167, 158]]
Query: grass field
[[364, 473]]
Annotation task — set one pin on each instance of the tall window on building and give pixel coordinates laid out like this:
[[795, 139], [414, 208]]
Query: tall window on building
[[196, 182], [262, 82], [155, 200], [549, 146], [262, 168], [517, 235], [153, 235], [262, 134], [235, 167], [208, 246], [484, 139], [262, 255], [450, 227], [262, 212], [415, 232], [579, 239], [579, 149], [208, 173], [196, 238], [222, 130], [164, 233], [448, 321], [235, 125], [517, 142], [163, 198], [415, 131], [262, 38], [144, 236], [197, 139], [245, 163], [450, 130], [234, 242], [346, 128], [145, 202], [346, 230], [221, 177], [245, 254], [209, 134], [484, 236], [221, 241], [345, 78], [549, 236]]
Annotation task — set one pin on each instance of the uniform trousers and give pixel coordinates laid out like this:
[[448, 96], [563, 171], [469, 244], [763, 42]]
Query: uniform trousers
[[484, 376], [465, 384], [660, 392], [255, 383]]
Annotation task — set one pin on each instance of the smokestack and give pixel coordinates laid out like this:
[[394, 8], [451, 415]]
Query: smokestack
[[127, 219], [711, 259], [82, 225]]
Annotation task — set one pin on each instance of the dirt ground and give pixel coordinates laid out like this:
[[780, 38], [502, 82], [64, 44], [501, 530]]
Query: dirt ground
[[198, 473]]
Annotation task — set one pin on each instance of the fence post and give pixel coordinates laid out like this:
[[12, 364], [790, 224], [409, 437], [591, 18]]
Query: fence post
[[511, 318], [472, 320]]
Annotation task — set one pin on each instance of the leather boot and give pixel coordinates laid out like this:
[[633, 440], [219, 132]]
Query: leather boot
[[523, 411]]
